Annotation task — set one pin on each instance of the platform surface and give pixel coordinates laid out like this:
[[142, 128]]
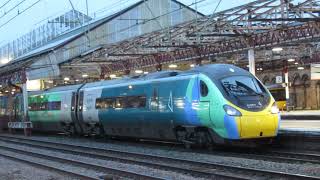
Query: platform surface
[[303, 125], [302, 112]]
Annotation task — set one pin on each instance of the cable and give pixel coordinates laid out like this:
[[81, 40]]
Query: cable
[[5, 4], [29, 7], [5, 13]]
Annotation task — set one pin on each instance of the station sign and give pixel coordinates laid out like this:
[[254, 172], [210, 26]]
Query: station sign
[[20, 125], [315, 71], [279, 80]]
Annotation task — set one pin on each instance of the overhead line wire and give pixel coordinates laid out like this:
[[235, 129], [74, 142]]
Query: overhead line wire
[[5, 13], [20, 13], [5, 4]]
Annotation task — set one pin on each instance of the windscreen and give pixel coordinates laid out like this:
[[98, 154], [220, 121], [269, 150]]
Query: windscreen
[[246, 92]]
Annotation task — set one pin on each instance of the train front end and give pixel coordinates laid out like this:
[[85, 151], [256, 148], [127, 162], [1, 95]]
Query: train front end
[[241, 107], [250, 110]]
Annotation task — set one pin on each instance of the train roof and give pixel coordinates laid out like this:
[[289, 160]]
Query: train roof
[[55, 89], [218, 71], [215, 71]]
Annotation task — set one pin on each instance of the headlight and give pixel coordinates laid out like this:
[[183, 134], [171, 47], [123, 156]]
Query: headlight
[[231, 111], [274, 108]]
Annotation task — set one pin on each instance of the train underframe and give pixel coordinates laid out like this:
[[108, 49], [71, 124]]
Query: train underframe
[[188, 135]]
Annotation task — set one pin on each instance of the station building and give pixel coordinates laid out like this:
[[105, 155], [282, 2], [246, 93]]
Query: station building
[[153, 35]]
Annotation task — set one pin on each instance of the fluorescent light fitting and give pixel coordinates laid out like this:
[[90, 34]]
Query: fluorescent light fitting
[[173, 66], [291, 60], [277, 49], [138, 71]]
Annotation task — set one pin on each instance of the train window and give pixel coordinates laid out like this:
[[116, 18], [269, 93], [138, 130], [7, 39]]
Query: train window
[[136, 101], [203, 89], [45, 106], [121, 102], [55, 105], [279, 94], [104, 103]]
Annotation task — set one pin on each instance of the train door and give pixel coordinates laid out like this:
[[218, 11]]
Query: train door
[[161, 106], [204, 102], [74, 110], [79, 111]]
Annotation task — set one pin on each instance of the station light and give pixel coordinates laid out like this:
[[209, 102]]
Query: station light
[[130, 87], [301, 68], [277, 49], [50, 81], [0, 85], [173, 66], [85, 75], [13, 90], [138, 71], [66, 79], [291, 60], [296, 63], [145, 72], [6, 91], [192, 65], [77, 80], [112, 76]]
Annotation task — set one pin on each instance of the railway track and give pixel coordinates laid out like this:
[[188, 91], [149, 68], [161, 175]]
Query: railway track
[[192, 168], [102, 171], [271, 155]]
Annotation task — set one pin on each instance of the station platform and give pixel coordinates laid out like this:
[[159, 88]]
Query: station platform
[[304, 121], [301, 115], [300, 125]]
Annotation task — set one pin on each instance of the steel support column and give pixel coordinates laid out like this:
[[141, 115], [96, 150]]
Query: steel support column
[[286, 80], [252, 65]]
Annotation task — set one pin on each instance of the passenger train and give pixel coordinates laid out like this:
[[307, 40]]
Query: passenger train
[[206, 105]]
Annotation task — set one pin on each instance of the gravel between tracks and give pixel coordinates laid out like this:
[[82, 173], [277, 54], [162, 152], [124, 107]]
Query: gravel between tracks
[[305, 169], [123, 166], [13, 170]]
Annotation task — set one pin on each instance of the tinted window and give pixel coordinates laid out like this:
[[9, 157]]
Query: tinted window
[[121, 102], [136, 102], [203, 89], [245, 92], [104, 103], [279, 94], [45, 106], [242, 86]]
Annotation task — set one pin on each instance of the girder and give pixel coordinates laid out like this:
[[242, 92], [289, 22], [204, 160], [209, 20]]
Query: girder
[[259, 24]]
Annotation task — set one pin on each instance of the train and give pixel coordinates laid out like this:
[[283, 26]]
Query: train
[[279, 94], [210, 104]]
